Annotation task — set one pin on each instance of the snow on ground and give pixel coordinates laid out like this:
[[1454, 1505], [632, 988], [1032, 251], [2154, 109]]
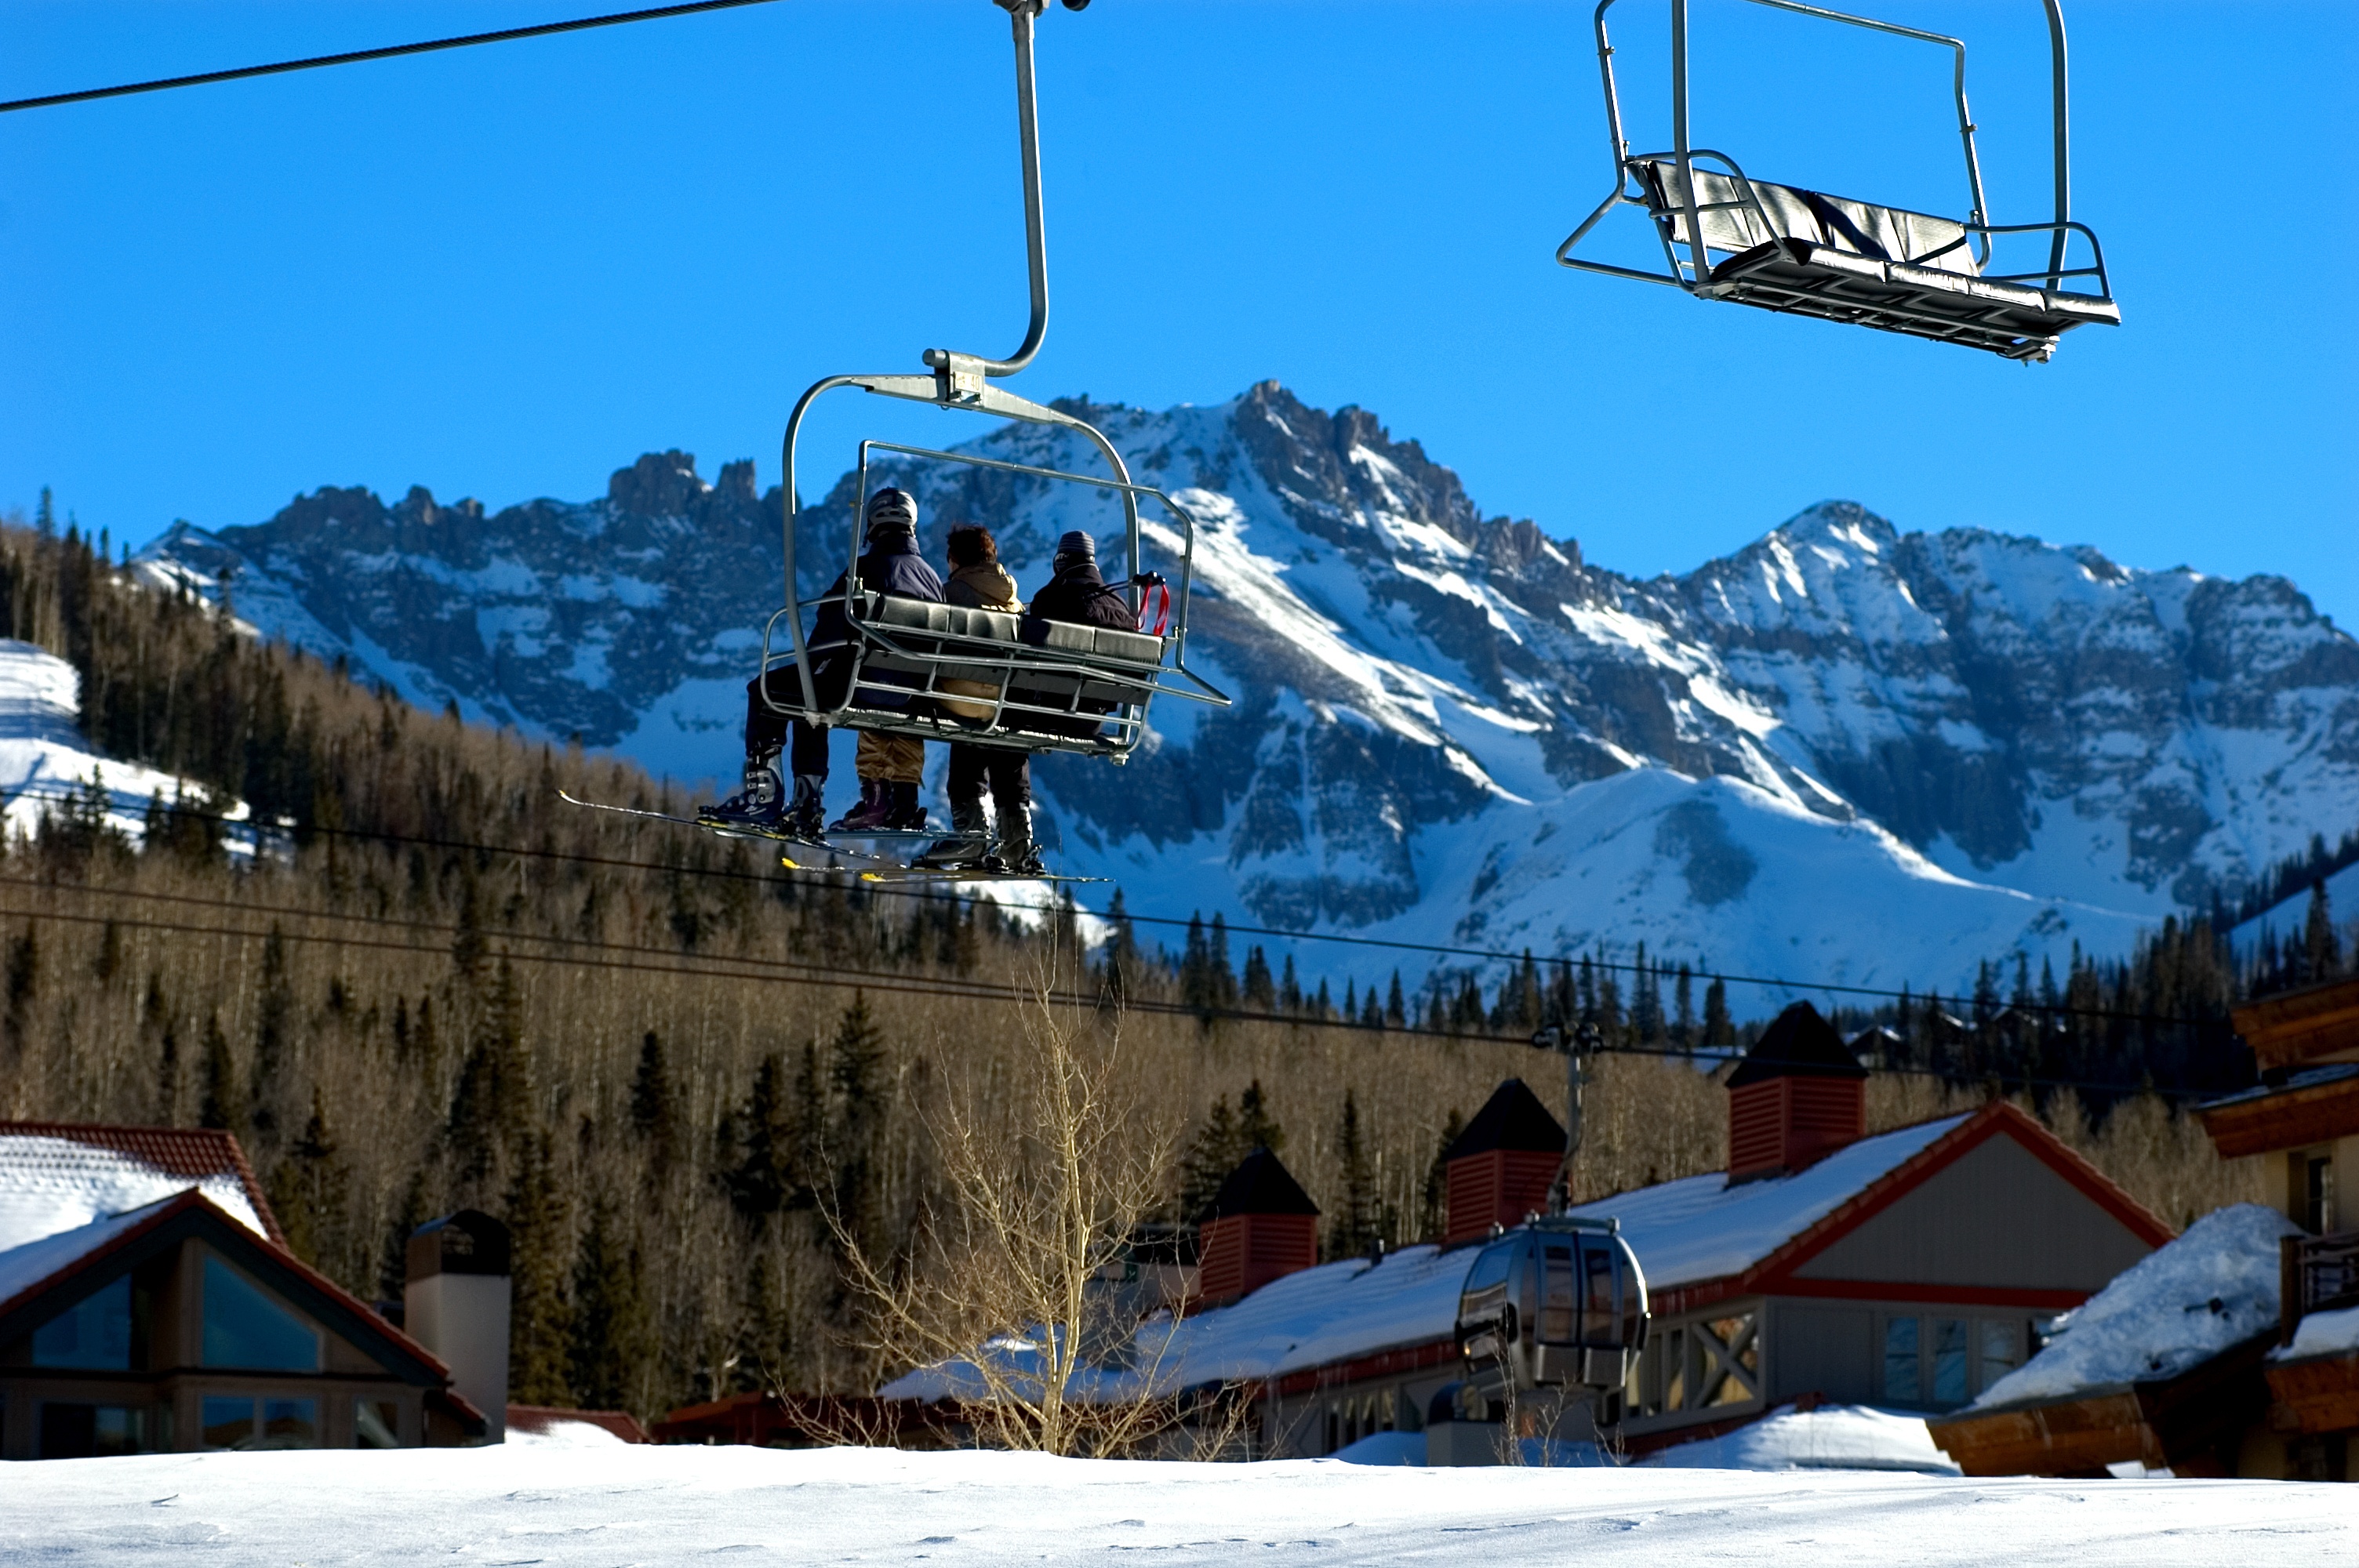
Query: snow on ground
[[1833, 1437], [623, 1504], [2178, 1306]]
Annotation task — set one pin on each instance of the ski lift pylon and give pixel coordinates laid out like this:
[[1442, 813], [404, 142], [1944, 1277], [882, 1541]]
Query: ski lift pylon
[[1012, 680], [1807, 253]]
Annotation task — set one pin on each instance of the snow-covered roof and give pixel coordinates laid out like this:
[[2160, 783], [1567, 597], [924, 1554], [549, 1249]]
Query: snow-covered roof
[[1336, 1312], [62, 1179], [2177, 1307], [1333, 1313], [22, 1267], [2321, 1333], [1703, 1228]]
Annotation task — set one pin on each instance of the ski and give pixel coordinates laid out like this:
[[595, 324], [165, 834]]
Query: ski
[[678, 821]]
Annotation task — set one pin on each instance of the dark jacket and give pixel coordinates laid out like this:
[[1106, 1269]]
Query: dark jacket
[[1079, 594], [890, 566]]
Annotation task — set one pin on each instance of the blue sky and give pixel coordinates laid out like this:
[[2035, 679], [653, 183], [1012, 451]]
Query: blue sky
[[504, 272]]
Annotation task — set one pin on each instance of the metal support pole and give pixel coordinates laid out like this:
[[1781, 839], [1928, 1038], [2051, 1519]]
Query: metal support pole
[[1020, 14], [1699, 254], [2059, 100]]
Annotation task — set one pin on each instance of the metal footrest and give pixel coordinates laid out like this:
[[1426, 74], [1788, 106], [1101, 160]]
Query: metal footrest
[[2006, 319]]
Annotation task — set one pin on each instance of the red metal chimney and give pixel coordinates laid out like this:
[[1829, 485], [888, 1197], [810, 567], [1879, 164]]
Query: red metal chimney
[[1501, 1167], [1798, 1096], [1261, 1227]]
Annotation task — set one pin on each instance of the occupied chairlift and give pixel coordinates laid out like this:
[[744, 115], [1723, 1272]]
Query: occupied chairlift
[[944, 673], [1841, 260]]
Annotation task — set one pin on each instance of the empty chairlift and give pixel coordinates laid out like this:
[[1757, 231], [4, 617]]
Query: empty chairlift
[[1728, 236]]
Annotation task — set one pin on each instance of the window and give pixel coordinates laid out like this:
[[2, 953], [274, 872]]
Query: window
[[1949, 1361], [2002, 1348], [94, 1333], [1557, 1296], [1597, 1314], [376, 1423], [2318, 1198], [1901, 1383], [85, 1432], [245, 1421], [227, 1422], [245, 1328]]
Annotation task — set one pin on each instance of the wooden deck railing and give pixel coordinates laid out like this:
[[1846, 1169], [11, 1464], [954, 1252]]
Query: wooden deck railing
[[2319, 1273]]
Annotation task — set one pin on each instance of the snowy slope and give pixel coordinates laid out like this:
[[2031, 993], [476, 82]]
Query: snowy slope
[[1843, 752], [45, 760], [564, 1504]]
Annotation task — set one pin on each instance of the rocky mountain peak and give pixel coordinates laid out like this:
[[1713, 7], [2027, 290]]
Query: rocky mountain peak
[[1868, 753]]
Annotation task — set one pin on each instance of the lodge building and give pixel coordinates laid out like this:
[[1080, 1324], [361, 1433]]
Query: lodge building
[[1909, 1269], [148, 1305]]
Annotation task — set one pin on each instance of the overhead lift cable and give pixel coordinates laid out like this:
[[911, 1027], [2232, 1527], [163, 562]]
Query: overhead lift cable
[[626, 957], [1485, 955], [390, 51]]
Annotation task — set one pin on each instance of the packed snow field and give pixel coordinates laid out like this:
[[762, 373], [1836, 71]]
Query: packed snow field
[[560, 1504]]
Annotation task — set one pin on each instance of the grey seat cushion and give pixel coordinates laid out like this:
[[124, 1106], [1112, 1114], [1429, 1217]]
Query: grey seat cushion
[[1835, 223]]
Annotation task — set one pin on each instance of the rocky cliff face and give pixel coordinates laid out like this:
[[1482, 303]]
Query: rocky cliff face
[[1843, 752]]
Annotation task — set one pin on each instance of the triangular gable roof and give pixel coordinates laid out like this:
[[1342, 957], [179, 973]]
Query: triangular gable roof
[[1513, 1118], [1704, 1239], [80, 1261], [59, 1175], [1260, 1185], [1798, 1044]]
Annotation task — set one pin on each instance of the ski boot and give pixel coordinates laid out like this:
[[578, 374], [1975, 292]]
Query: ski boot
[[904, 812], [1016, 854], [870, 814], [803, 819], [758, 809], [968, 846]]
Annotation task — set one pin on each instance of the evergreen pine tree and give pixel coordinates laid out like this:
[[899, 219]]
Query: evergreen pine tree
[[1683, 1009], [540, 1322], [1434, 1207], [1290, 989], [274, 1013], [310, 1189], [2321, 954], [1256, 1128], [855, 1150], [1197, 990], [1354, 1228], [1211, 1154], [614, 1331], [655, 1105], [1223, 979], [764, 1173], [1395, 1005], [1260, 992], [1719, 1029], [220, 1105]]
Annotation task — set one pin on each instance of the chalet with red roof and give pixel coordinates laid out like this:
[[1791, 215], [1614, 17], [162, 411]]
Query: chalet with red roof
[[148, 1305]]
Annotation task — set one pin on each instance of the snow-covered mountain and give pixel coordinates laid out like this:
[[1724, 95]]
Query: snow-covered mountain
[[1843, 752]]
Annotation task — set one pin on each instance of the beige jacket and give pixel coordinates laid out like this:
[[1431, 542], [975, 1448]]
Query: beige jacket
[[983, 586]]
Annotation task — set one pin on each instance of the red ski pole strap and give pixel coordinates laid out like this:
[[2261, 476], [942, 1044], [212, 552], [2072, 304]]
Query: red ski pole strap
[[1159, 595]]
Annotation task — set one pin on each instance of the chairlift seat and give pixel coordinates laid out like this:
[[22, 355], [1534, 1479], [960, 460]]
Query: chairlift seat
[[1809, 254], [1020, 681]]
